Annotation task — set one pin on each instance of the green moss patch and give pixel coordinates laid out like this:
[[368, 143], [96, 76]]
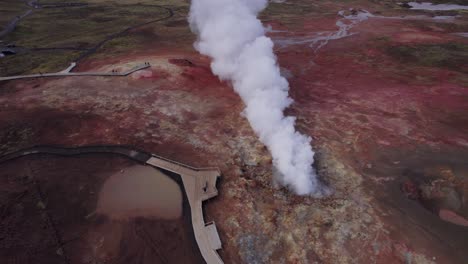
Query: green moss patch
[[450, 55], [80, 27], [9, 9], [36, 62]]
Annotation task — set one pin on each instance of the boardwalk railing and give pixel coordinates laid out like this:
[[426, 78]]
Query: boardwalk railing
[[67, 74]]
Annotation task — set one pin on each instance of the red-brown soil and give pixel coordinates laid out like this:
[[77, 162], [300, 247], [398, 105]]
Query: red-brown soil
[[49, 216], [390, 131]]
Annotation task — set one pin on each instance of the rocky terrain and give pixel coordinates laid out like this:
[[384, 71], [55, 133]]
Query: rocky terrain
[[382, 89]]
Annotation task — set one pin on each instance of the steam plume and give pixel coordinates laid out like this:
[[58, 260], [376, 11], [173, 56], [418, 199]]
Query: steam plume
[[230, 33]]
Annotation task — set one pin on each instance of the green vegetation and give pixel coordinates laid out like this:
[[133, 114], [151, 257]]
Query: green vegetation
[[44, 61], [450, 55], [292, 8], [79, 26], [459, 2], [448, 27], [10, 9], [288, 12], [84, 27]]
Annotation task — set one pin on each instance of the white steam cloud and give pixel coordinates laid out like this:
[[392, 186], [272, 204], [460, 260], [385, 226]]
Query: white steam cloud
[[230, 33]]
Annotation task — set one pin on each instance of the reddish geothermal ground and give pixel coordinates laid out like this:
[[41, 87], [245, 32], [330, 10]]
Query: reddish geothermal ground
[[386, 107], [88, 209]]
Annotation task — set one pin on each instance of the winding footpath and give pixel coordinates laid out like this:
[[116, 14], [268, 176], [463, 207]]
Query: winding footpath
[[92, 50], [67, 73], [87, 52], [33, 4], [12, 25]]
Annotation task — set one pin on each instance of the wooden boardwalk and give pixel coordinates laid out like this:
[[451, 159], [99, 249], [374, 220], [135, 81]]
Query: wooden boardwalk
[[66, 73], [199, 185]]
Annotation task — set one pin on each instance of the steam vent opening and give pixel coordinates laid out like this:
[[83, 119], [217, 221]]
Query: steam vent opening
[[94, 208]]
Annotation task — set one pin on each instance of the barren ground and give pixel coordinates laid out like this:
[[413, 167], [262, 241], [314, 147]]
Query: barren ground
[[386, 108]]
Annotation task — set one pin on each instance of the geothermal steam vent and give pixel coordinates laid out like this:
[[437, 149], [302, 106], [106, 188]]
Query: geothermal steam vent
[[230, 33]]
